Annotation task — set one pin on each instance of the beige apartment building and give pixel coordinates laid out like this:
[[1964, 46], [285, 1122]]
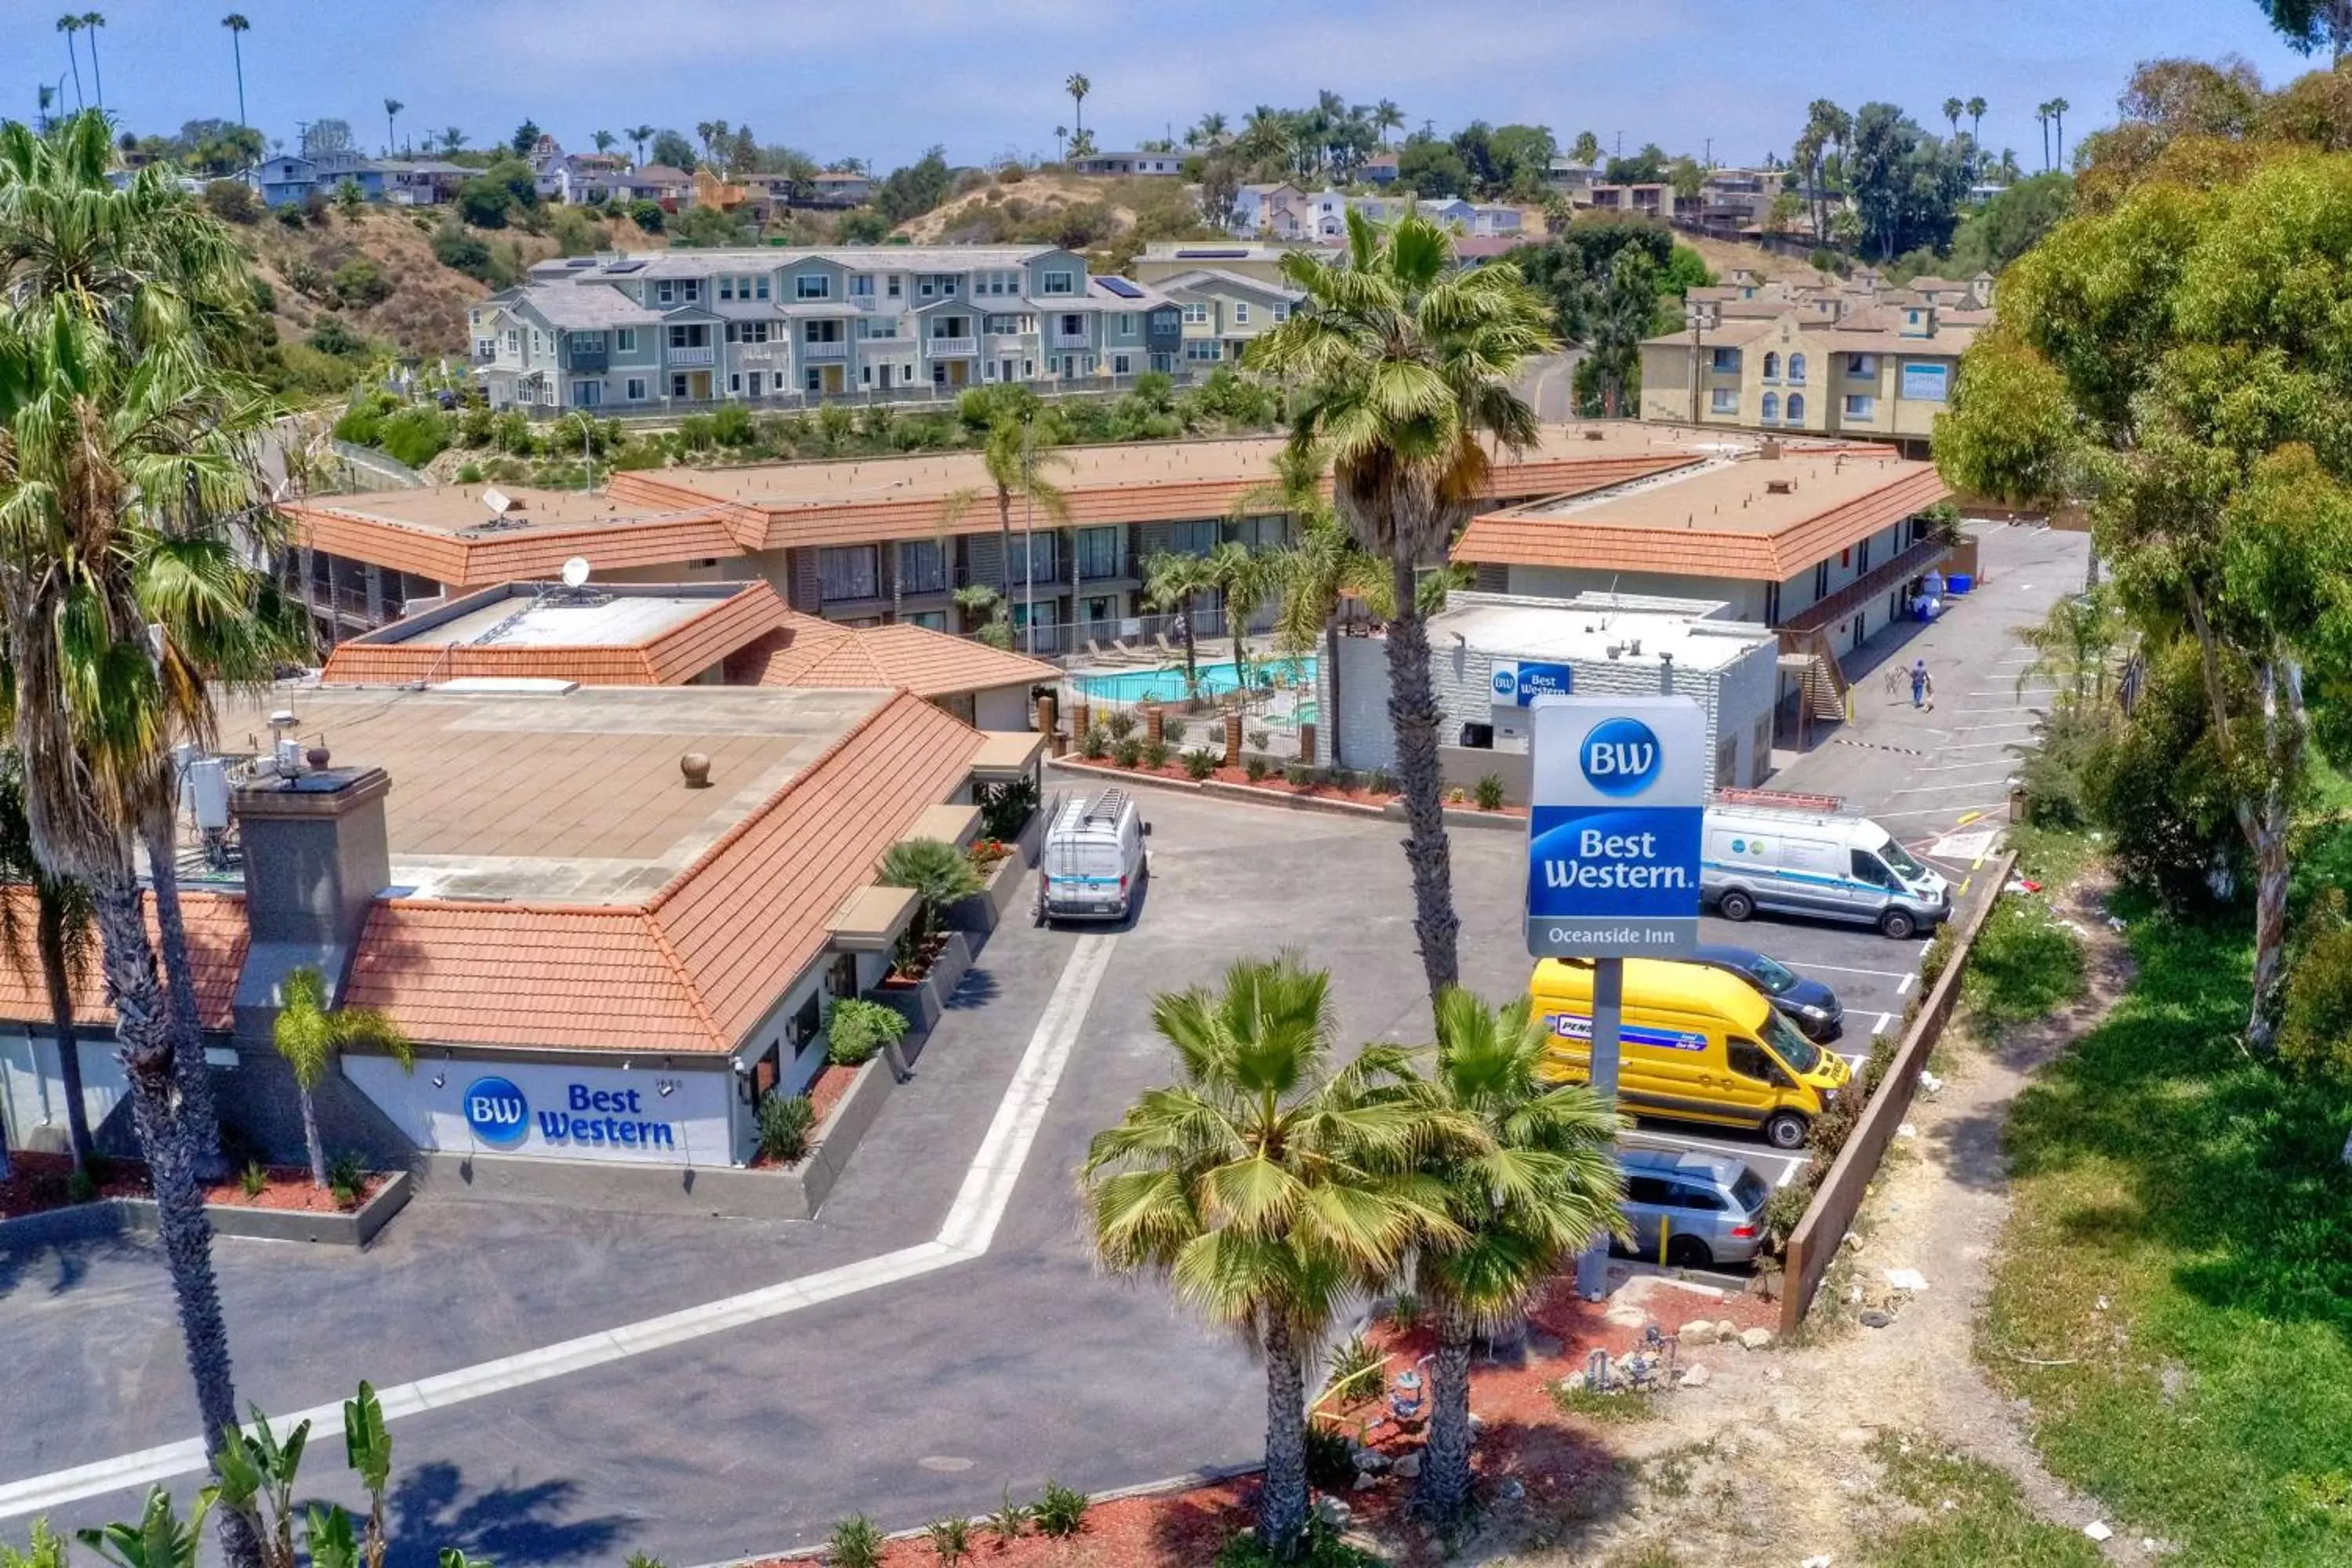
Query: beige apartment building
[[1856, 360]]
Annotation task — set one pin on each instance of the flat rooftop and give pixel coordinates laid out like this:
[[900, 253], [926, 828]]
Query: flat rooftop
[[558, 619], [1583, 629], [1737, 513], [460, 509], [559, 797], [602, 634]]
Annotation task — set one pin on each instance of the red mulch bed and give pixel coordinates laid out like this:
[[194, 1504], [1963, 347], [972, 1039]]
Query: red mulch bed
[[37, 1183], [831, 1083], [1523, 1436]]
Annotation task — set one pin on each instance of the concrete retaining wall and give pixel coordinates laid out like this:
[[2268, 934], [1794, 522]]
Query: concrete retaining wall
[[114, 1216]]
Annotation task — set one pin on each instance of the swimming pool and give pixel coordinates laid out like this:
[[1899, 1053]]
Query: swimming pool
[[1168, 685]]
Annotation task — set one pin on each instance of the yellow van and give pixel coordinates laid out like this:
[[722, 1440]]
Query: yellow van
[[1697, 1044]]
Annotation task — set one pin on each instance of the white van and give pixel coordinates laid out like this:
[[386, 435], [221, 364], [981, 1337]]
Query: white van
[[1804, 863], [1092, 863]]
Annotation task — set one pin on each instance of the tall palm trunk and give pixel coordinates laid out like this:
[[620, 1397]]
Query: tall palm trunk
[[49, 937], [312, 1139], [1004, 547], [1444, 1488], [1282, 1503], [159, 1111], [1412, 713], [179, 1002]]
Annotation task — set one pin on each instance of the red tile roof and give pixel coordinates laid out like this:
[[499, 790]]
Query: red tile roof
[[807, 651], [216, 943], [670, 658], [696, 966]]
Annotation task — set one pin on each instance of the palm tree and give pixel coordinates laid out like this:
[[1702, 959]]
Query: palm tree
[[62, 916], [1953, 110], [309, 1034], [1386, 117], [1976, 107], [2041, 114], [238, 28], [1268, 1189], [1625, 314], [1172, 582], [1588, 149], [127, 439], [1010, 454], [1077, 87], [69, 25], [2058, 108], [1529, 1173], [452, 138], [640, 134], [1211, 128], [1061, 134], [391, 108], [939, 873], [91, 21], [1405, 365], [604, 141]]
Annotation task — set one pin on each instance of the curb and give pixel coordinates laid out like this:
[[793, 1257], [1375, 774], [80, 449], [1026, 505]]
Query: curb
[[1393, 810], [113, 1216]]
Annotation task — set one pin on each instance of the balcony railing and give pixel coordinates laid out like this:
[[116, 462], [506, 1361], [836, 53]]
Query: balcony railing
[[693, 356], [951, 348], [837, 348], [1072, 340]]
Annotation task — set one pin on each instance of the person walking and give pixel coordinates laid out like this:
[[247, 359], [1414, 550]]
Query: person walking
[[1920, 684]]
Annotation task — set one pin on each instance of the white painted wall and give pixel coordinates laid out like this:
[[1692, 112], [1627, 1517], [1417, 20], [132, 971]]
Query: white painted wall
[[1002, 708], [697, 1110], [32, 1090]]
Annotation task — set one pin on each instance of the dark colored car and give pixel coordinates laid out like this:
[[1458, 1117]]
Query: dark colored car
[[1808, 1004]]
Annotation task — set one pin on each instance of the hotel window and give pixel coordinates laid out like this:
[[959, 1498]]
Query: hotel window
[[1796, 372], [1771, 367], [850, 571], [812, 285], [1862, 365], [1861, 405], [1725, 359], [1191, 538], [1796, 408], [922, 566], [935, 620], [1724, 400], [1772, 408]]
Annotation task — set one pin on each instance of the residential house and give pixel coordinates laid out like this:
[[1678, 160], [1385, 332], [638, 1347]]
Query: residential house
[[648, 333], [588, 178], [842, 188], [1381, 169], [673, 188], [421, 181], [1273, 210], [1565, 173], [1224, 312], [1163, 259], [1647, 200], [292, 177], [1164, 164]]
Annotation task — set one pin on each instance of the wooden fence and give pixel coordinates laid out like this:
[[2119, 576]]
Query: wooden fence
[[1818, 1235]]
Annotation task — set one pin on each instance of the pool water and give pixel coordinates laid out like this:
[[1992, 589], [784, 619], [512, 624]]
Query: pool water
[[1168, 685]]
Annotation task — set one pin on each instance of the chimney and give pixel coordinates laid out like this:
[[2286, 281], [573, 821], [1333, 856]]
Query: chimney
[[315, 859]]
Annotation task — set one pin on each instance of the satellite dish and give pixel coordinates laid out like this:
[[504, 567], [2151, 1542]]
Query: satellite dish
[[575, 571]]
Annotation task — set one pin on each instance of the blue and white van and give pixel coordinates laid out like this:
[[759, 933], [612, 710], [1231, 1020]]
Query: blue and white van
[[1092, 863], [1807, 863]]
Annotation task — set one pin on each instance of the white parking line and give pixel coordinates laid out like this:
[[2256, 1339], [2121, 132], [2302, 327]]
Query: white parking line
[[1884, 1019], [1942, 788], [1905, 988], [965, 1235], [1964, 767], [1942, 810], [1842, 969]]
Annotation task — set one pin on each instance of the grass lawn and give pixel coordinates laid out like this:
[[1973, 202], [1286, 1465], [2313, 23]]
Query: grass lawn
[[2180, 1258], [1975, 1513]]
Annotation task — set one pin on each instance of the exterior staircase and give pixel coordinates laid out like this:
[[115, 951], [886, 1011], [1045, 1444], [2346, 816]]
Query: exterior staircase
[[1823, 681]]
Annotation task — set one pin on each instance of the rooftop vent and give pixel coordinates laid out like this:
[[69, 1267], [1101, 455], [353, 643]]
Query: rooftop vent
[[1780, 487], [1594, 434], [696, 766]]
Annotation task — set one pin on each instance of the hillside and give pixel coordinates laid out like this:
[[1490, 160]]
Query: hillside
[[1110, 216]]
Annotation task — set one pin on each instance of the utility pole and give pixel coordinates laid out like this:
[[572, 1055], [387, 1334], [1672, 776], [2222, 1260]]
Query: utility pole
[[1696, 315], [1028, 542], [1707, 160]]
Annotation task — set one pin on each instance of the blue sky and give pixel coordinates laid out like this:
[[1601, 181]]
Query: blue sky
[[882, 79]]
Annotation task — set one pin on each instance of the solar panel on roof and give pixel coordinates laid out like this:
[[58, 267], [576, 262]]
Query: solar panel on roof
[[626, 266], [1121, 286], [1212, 255]]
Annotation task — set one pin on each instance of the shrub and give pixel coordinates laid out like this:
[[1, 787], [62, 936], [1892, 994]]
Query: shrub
[[1199, 763], [233, 201], [415, 436], [858, 1028], [45, 1549], [855, 1543], [939, 873], [332, 337], [360, 282], [1358, 1368], [1299, 775], [455, 248], [290, 216], [732, 425], [698, 432], [1156, 755], [1128, 752], [1121, 724], [80, 1187], [648, 214], [1834, 1126], [1490, 793], [1937, 956], [254, 1179], [1259, 740], [1010, 1519], [1322, 1548], [2316, 1021], [1572, 1398], [1061, 1511], [1173, 730], [347, 1176], [644, 1560], [786, 1122], [1256, 768], [1787, 1206], [1331, 1458], [950, 1538], [1380, 782], [1094, 746], [1006, 808], [469, 473]]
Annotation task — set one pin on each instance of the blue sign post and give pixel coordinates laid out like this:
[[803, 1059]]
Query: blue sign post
[[1614, 821]]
